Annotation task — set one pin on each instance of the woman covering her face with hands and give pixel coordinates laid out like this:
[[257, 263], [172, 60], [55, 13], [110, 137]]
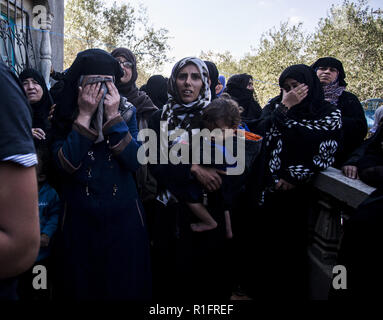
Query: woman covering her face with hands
[[301, 135], [301, 129], [103, 250]]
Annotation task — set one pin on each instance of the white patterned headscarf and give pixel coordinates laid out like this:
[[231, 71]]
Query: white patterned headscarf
[[186, 116]]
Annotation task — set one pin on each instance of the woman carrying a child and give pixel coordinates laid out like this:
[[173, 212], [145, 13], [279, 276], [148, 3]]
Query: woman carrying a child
[[187, 264]]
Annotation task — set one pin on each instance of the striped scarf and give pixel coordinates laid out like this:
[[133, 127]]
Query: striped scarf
[[186, 116], [333, 91]]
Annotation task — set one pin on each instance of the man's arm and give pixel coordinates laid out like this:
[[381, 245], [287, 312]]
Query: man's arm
[[19, 219]]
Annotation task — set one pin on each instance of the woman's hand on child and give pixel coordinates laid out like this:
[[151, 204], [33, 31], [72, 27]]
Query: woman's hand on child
[[208, 177]]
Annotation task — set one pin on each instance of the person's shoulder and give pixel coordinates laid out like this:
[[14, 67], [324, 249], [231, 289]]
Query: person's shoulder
[[154, 120], [7, 76], [48, 190], [11, 87], [126, 108], [270, 106], [272, 102], [3, 68], [349, 97]]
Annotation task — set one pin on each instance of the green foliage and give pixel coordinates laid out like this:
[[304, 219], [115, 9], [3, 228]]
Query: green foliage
[[90, 24], [277, 50], [352, 32]]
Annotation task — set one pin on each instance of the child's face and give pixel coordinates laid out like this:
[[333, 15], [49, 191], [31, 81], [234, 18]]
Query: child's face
[[224, 131]]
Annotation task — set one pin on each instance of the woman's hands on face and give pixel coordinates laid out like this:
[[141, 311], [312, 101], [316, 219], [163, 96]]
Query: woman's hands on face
[[88, 100], [208, 177], [294, 96], [112, 101]]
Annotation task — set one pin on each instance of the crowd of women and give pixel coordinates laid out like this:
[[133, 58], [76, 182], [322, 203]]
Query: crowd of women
[[120, 230]]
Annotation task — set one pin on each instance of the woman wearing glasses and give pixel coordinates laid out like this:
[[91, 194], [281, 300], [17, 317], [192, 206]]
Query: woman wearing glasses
[[127, 86], [147, 185]]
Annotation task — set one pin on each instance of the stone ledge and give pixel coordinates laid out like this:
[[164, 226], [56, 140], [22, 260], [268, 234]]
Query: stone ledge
[[350, 191]]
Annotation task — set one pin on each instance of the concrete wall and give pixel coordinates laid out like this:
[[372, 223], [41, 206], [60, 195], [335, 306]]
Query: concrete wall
[[56, 7], [337, 199], [57, 34]]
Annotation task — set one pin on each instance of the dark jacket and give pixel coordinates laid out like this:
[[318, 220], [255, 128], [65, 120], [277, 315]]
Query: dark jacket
[[354, 126], [103, 246], [359, 152]]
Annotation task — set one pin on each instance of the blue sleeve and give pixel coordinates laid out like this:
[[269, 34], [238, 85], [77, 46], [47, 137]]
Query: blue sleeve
[[54, 209], [123, 141], [69, 153], [132, 125]]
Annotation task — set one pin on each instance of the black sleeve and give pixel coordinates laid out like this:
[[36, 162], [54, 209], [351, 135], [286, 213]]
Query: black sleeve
[[166, 174], [354, 123], [359, 152], [16, 118], [257, 109], [260, 125]]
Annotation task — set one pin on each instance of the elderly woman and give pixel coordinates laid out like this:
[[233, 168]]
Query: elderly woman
[[103, 247], [301, 136], [354, 125], [187, 265], [39, 99]]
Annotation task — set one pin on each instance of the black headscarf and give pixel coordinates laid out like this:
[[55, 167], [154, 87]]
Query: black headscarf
[[333, 63], [145, 107], [88, 62], [313, 105], [303, 139], [213, 75], [236, 88], [157, 90], [41, 108]]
